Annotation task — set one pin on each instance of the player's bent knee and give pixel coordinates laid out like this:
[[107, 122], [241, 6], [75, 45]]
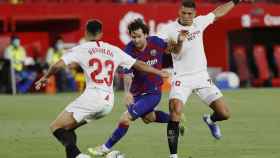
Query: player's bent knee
[[54, 126], [149, 118], [175, 114], [146, 121], [126, 119], [124, 122]]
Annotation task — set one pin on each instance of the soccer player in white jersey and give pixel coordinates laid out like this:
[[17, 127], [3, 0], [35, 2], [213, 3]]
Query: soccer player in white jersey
[[190, 70], [99, 61]]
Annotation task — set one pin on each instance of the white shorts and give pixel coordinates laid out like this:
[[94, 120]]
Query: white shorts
[[199, 83], [91, 105]]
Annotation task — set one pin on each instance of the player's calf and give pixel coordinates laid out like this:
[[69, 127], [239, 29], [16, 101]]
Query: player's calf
[[221, 110], [220, 116], [68, 140], [175, 108], [156, 116], [116, 136]]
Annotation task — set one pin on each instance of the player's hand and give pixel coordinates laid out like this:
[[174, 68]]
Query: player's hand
[[42, 82], [183, 35], [164, 74], [128, 99]]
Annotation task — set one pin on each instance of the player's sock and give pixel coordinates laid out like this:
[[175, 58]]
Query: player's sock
[[162, 117], [117, 135], [216, 117], [172, 135], [68, 139], [73, 135]]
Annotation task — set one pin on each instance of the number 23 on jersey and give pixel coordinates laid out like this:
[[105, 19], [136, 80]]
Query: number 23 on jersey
[[108, 66]]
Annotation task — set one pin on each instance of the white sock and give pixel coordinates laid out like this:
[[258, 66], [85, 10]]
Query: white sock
[[173, 156], [209, 119]]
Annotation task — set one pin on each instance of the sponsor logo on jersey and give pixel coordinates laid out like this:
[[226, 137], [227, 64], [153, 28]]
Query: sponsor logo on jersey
[[152, 62], [193, 35], [153, 52]]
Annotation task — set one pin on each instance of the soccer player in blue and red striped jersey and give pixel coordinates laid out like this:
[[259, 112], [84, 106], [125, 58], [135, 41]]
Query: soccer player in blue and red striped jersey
[[142, 90]]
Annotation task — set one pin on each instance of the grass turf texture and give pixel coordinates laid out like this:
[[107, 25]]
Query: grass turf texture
[[252, 132]]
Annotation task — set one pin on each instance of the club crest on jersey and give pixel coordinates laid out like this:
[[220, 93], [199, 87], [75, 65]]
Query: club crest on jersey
[[193, 35], [153, 52]]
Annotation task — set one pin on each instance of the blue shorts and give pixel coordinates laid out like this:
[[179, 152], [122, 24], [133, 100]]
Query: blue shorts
[[143, 105]]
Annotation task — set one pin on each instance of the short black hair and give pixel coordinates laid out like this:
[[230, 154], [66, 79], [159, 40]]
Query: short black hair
[[94, 26], [138, 24], [14, 37], [188, 4]]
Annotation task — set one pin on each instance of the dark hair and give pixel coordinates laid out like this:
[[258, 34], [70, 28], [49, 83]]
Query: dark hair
[[188, 4], [14, 37], [57, 38], [138, 24], [94, 26]]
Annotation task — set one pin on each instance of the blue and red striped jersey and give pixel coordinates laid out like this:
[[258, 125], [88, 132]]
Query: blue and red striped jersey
[[152, 55]]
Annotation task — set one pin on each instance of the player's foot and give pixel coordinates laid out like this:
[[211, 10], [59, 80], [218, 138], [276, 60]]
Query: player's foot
[[173, 156], [182, 127], [214, 128], [83, 156], [99, 151]]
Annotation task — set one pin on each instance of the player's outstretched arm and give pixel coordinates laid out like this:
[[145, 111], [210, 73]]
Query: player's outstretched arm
[[223, 9], [127, 81], [52, 70], [141, 66]]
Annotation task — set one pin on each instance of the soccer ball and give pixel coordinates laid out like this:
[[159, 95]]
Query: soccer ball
[[227, 80], [115, 154]]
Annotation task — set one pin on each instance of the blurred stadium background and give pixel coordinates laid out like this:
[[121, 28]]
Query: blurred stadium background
[[243, 52]]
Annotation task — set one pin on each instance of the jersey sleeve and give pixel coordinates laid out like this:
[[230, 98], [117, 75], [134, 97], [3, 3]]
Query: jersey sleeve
[[127, 50], [164, 32], [71, 56], [125, 60], [205, 20], [160, 42]]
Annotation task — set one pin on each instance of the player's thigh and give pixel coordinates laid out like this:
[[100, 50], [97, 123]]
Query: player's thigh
[[126, 118], [144, 105], [89, 111], [179, 92], [209, 94], [64, 120], [91, 105]]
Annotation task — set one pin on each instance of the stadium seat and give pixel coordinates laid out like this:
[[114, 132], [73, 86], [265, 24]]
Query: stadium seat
[[33, 49], [240, 59], [4, 42], [276, 55], [264, 76], [259, 56]]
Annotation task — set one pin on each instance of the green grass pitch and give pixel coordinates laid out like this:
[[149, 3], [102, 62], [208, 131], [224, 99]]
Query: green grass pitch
[[252, 132]]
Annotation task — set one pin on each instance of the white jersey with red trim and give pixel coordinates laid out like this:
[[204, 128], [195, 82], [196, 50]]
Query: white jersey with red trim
[[192, 57], [99, 61]]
